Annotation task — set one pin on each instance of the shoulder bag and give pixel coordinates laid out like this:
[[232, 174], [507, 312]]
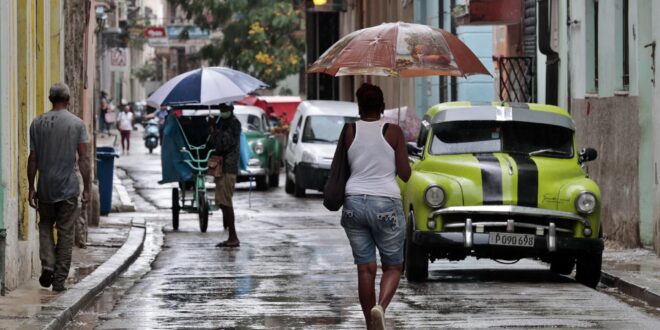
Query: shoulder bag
[[340, 171], [214, 165]]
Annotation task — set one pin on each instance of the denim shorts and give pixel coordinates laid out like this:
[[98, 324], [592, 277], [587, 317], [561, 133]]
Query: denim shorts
[[374, 221]]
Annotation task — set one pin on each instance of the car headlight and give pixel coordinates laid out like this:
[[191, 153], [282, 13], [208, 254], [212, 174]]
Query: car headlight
[[258, 148], [434, 196], [308, 157], [585, 203]]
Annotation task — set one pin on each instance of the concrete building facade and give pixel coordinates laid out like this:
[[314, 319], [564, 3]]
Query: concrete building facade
[[327, 24]]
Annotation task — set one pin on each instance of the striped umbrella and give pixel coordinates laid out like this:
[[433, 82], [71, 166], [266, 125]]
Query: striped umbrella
[[206, 86]]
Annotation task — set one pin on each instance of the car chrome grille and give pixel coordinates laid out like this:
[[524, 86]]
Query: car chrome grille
[[485, 223]]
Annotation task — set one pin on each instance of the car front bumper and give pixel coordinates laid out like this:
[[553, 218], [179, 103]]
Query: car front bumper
[[478, 244], [312, 176], [251, 172]]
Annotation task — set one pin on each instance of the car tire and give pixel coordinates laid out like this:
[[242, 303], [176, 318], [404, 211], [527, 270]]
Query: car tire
[[416, 259], [298, 189], [562, 264], [288, 184], [262, 182], [274, 179], [587, 269]]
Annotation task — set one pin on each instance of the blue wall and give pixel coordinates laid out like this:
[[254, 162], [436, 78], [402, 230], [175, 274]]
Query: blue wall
[[478, 38], [480, 41]]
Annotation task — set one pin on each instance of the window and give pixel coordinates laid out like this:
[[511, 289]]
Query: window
[[624, 48], [591, 51], [324, 129], [249, 122], [595, 27], [462, 137]]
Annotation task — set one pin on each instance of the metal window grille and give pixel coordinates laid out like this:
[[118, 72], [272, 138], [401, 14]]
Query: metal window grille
[[516, 79]]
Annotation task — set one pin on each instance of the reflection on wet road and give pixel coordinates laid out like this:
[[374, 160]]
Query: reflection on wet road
[[294, 270]]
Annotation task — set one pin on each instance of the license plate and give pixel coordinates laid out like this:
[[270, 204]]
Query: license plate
[[509, 239]]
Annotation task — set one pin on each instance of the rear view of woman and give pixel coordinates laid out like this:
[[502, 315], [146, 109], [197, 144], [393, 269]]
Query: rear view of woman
[[373, 214]]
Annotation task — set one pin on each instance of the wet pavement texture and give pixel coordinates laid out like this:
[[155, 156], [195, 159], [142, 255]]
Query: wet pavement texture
[[30, 298], [294, 270]]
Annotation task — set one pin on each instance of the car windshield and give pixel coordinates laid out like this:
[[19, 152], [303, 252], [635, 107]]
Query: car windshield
[[324, 129], [249, 122], [511, 137]]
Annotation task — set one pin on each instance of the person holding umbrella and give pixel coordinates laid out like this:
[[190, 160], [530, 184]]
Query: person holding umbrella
[[396, 50], [373, 214], [226, 141]]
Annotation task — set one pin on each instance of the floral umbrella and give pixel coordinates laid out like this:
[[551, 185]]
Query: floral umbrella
[[399, 50]]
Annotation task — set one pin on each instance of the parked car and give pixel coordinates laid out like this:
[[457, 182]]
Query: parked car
[[266, 158], [501, 181], [312, 141]]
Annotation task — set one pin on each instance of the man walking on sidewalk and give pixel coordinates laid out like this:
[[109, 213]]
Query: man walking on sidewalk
[[55, 139]]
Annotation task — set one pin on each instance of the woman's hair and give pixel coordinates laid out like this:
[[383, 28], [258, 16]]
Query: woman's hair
[[370, 98]]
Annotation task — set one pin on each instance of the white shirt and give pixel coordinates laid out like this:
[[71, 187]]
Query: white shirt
[[125, 121], [372, 162]]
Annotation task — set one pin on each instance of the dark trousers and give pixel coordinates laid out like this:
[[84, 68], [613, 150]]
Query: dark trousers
[[125, 136], [57, 257]]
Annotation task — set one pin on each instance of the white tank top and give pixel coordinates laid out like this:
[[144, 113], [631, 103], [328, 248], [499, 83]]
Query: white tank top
[[371, 159]]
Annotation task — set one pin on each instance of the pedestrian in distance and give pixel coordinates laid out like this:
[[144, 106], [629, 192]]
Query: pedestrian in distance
[[161, 114], [125, 126], [225, 138], [56, 138], [372, 214], [105, 108]]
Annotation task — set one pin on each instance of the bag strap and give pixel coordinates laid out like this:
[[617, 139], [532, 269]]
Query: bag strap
[[346, 131]]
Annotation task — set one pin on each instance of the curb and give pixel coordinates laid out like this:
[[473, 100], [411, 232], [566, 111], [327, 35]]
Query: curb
[[124, 199], [629, 288], [59, 312]]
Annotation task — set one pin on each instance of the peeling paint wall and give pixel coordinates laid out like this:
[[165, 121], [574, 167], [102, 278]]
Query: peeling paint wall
[[610, 125], [32, 46]]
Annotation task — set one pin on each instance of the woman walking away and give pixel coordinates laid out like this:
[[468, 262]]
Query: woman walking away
[[125, 126], [373, 214]]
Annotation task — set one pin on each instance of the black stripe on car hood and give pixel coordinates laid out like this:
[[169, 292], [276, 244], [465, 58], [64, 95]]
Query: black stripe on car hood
[[528, 180], [491, 178]]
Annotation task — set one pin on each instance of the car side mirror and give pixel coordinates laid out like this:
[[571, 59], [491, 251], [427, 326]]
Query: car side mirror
[[587, 155], [294, 138], [413, 149]]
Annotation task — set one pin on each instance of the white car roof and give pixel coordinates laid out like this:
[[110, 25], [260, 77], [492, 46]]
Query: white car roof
[[248, 110], [328, 108]]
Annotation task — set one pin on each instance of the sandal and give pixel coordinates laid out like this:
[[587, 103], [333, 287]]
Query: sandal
[[228, 244]]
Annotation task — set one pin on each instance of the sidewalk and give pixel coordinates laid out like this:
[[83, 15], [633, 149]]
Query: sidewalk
[[121, 201], [635, 272], [111, 248]]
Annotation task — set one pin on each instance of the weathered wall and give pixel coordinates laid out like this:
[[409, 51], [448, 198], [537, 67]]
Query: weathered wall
[[610, 125], [78, 71], [362, 14]]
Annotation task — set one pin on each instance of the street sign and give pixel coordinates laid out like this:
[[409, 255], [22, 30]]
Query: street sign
[[189, 32], [119, 59], [156, 36]]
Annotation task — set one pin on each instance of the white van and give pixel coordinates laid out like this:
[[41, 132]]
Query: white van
[[312, 141]]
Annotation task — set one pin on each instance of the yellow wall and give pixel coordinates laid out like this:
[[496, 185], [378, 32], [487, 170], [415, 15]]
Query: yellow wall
[[55, 43], [24, 51]]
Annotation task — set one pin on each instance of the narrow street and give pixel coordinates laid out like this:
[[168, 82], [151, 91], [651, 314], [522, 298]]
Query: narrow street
[[294, 269]]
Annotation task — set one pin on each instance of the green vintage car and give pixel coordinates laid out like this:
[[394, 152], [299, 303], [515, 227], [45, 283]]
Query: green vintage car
[[501, 181], [266, 154]]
